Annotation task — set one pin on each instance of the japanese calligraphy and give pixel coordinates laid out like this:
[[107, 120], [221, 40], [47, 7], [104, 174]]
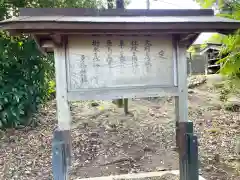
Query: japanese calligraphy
[[147, 48], [121, 44], [134, 50], [109, 57], [122, 57], [162, 54], [83, 71], [134, 46], [117, 61], [96, 59]]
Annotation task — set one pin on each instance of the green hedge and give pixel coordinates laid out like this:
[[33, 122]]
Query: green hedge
[[25, 76]]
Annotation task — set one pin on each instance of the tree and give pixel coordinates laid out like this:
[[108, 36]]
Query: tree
[[231, 43]]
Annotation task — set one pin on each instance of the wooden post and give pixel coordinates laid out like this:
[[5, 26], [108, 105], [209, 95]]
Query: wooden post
[[125, 103], [185, 140], [148, 4], [182, 102], [122, 102], [61, 146], [181, 106], [63, 108]]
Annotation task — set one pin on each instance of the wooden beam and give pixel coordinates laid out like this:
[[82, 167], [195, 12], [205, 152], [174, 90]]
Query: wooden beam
[[131, 25], [113, 12], [63, 108], [136, 176], [116, 93], [41, 49], [188, 39], [181, 102], [57, 39], [47, 44]]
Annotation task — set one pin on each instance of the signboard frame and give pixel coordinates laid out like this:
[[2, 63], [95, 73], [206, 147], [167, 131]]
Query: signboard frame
[[126, 91]]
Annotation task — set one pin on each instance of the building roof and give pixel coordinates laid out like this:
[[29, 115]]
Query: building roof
[[81, 19], [214, 46], [44, 21]]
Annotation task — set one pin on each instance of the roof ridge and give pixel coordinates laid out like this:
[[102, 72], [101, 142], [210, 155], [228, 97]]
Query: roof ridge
[[113, 12]]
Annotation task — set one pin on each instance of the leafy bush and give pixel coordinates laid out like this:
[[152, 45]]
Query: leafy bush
[[24, 77]]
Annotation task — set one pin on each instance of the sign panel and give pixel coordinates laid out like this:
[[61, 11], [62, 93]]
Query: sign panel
[[100, 62]]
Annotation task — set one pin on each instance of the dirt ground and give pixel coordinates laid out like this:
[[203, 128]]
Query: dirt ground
[[106, 141]]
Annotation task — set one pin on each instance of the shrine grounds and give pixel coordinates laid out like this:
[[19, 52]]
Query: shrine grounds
[[106, 141]]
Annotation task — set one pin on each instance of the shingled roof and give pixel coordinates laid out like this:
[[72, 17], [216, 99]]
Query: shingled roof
[[42, 22], [64, 19]]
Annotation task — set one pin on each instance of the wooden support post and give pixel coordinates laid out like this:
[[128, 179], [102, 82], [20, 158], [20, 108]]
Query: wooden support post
[[122, 102], [61, 148], [177, 120], [61, 154], [188, 152], [148, 4], [125, 103], [184, 129], [181, 101], [63, 108], [185, 140], [192, 157]]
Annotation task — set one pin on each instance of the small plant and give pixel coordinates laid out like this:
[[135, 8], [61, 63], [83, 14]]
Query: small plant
[[224, 94]]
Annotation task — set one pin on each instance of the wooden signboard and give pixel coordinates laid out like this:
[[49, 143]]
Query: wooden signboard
[[102, 63]]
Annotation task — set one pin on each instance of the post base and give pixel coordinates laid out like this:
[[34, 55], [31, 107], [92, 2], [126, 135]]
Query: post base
[[187, 145], [61, 154]]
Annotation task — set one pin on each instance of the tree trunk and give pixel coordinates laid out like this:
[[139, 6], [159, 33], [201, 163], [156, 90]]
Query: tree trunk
[[110, 4], [120, 4]]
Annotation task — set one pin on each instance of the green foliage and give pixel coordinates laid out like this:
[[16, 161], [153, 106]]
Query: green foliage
[[206, 3], [231, 43], [191, 49], [231, 63], [22, 80], [26, 77], [216, 39]]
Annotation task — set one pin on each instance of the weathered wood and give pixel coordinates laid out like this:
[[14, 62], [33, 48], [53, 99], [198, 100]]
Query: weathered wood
[[113, 12], [125, 104], [136, 176], [120, 5], [193, 162], [119, 93], [188, 151], [61, 154], [116, 67], [63, 108], [162, 26], [182, 102], [177, 121], [183, 129]]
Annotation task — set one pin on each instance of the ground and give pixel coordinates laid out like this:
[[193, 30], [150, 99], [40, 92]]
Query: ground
[[106, 141]]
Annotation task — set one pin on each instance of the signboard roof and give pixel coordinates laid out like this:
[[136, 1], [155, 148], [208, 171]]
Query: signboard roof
[[44, 22], [81, 19]]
